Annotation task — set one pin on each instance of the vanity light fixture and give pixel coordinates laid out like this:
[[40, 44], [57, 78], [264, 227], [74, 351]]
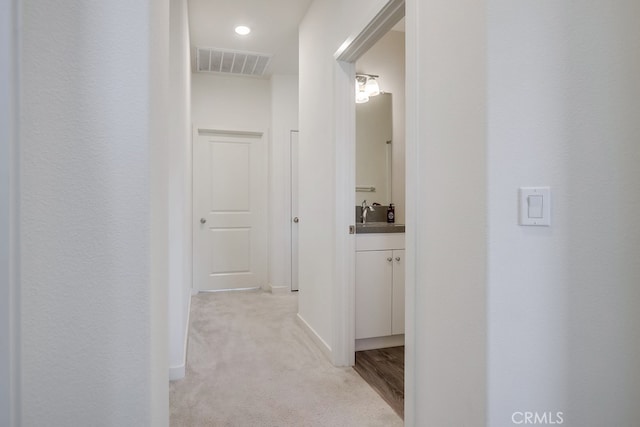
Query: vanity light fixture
[[242, 30], [366, 86]]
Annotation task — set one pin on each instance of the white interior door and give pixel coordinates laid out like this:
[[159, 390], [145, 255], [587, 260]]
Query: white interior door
[[230, 210], [294, 210]]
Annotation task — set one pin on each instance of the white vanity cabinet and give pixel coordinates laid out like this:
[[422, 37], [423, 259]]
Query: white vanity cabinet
[[379, 285]]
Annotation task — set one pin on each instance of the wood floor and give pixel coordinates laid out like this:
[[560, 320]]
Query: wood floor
[[383, 369]]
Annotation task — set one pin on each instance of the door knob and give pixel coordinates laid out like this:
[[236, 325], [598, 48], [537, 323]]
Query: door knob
[[296, 219], [389, 259], [202, 220], [397, 258]]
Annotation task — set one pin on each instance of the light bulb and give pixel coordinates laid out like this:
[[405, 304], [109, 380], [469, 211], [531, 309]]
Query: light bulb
[[243, 30], [361, 97], [372, 88]]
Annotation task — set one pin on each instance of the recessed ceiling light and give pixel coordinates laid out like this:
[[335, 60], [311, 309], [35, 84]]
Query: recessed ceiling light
[[242, 30]]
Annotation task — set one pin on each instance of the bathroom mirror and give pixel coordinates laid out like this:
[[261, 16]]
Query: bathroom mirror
[[373, 150]]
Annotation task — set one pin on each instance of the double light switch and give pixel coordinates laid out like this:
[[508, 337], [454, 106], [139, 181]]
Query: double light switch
[[535, 206]]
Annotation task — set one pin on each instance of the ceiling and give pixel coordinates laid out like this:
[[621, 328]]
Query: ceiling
[[273, 23]]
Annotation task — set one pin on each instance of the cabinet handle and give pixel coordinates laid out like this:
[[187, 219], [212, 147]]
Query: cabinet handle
[[389, 259], [397, 258]]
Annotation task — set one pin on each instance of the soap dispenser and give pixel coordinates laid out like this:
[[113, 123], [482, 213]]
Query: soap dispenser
[[391, 213]]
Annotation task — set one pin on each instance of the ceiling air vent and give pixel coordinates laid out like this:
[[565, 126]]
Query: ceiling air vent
[[213, 60]]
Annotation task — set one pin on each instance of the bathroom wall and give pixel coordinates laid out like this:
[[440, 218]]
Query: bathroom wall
[[387, 59]]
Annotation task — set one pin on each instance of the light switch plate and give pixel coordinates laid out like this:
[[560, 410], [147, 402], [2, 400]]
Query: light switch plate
[[535, 206]]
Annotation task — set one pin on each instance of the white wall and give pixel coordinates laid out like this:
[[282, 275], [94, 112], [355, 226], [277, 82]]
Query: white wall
[[8, 218], [387, 59], [179, 188], [446, 209], [236, 103], [564, 324], [324, 28], [92, 223], [157, 100], [284, 119]]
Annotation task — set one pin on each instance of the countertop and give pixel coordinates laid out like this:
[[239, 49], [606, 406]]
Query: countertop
[[379, 227]]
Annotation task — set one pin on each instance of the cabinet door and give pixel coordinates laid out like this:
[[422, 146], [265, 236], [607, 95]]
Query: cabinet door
[[374, 276], [397, 320]]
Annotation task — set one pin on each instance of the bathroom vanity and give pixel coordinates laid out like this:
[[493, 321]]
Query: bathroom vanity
[[380, 263], [380, 266]]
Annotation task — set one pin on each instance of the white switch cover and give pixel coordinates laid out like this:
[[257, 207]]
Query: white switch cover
[[535, 205]]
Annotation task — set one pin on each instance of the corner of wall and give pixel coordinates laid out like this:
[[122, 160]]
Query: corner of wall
[[9, 224], [279, 290], [315, 337], [177, 372]]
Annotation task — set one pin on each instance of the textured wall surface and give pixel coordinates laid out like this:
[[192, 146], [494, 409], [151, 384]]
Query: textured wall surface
[[564, 328], [87, 93], [8, 216], [446, 207]]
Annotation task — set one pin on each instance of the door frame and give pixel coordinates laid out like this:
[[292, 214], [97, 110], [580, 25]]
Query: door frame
[[293, 200], [376, 25]]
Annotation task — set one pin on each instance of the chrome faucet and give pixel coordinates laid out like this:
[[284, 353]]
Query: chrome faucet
[[365, 209]]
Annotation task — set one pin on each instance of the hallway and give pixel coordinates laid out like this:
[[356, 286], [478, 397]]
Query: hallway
[[250, 364]]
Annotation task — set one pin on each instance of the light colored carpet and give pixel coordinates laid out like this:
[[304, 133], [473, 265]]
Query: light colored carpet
[[250, 364]]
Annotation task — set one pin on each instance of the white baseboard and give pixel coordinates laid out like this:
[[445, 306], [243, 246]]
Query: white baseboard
[[379, 342], [277, 289], [178, 372], [322, 345]]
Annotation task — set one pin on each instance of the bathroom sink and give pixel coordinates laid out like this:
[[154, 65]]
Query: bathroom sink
[[379, 227]]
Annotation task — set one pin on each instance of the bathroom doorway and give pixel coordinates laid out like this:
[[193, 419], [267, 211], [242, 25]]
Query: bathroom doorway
[[346, 69], [380, 184]]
